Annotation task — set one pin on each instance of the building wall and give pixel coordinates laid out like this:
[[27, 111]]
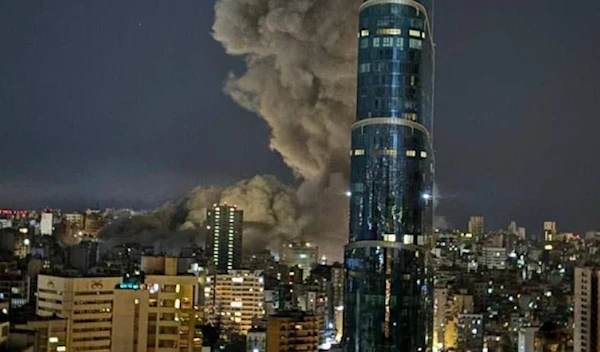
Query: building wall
[[586, 302], [235, 298], [293, 332], [256, 341], [526, 340], [130, 321], [86, 302], [494, 258], [91, 306], [172, 318], [51, 334]]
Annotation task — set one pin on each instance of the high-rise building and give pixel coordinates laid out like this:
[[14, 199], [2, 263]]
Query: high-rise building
[[585, 299], [235, 299], [224, 244], [549, 231], [293, 331], [388, 301], [476, 225]]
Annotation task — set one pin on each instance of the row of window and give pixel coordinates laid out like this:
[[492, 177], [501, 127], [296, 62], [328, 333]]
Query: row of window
[[389, 152], [391, 42], [380, 15], [393, 31], [391, 67], [385, 104]]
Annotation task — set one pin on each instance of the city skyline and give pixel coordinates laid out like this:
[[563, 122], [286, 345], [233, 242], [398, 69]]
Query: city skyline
[[495, 169]]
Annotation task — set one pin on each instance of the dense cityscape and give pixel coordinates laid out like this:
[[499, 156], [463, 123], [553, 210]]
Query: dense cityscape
[[495, 290], [258, 266]]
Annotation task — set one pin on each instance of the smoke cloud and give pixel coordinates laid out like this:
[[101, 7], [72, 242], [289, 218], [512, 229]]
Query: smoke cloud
[[271, 215], [301, 79]]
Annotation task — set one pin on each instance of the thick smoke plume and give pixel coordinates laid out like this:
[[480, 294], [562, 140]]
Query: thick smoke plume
[[270, 215], [301, 79]]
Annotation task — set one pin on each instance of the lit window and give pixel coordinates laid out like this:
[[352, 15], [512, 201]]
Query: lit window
[[364, 33], [423, 155], [411, 153], [364, 68], [359, 152], [236, 304], [400, 43], [390, 31], [376, 42], [53, 339], [388, 42], [386, 152], [410, 116], [61, 348], [389, 238], [408, 239], [423, 35], [415, 44], [414, 33]]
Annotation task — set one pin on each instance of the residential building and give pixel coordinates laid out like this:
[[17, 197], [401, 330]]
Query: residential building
[[494, 257], [50, 333], [109, 314], [256, 340], [235, 298], [293, 331], [224, 243]]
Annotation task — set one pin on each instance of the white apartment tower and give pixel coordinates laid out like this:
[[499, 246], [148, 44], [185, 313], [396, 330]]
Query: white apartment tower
[[585, 300], [235, 298]]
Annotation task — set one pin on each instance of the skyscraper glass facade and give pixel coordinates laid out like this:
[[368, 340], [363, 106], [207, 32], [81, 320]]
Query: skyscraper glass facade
[[388, 302]]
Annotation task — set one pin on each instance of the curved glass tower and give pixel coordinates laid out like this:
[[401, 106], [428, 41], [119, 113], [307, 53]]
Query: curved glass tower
[[388, 302]]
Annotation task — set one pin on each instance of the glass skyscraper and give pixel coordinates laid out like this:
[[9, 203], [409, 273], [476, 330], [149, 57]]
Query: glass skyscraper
[[388, 303]]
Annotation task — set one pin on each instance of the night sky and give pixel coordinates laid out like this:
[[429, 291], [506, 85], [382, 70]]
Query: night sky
[[117, 103]]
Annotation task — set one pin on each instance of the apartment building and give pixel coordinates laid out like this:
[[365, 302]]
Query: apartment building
[[235, 298], [110, 314]]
